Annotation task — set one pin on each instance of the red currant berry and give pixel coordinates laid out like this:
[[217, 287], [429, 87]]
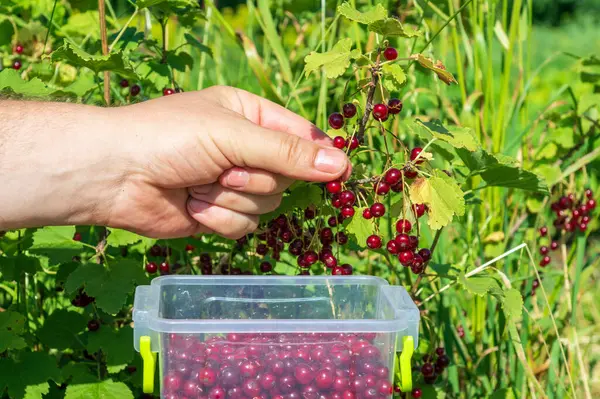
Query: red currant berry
[[417, 261], [167, 91], [440, 351], [135, 90], [419, 210], [403, 241], [377, 209], [336, 120], [403, 226], [349, 110], [393, 176], [330, 261], [337, 271], [425, 254], [217, 393], [553, 245], [339, 142], [415, 152], [443, 361], [565, 203], [591, 204], [124, 83], [19, 49], [334, 187], [410, 174], [341, 238], [394, 106], [324, 379], [427, 370], [171, 382], [390, 53], [392, 247], [569, 226], [367, 214], [347, 212], [164, 267], [189, 248], [380, 112], [332, 221], [77, 236], [374, 241], [588, 193], [416, 393], [382, 188], [347, 269], [17, 65], [348, 198], [93, 325], [582, 227], [545, 261], [311, 257], [406, 258], [151, 267], [397, 188], [266, 267], [354, 143], [544, 250]]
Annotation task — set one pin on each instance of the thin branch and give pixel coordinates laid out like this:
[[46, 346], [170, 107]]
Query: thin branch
[[103, 38]]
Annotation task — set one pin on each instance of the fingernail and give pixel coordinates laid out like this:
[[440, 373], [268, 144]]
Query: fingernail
[[205, 189], [330, 160], [237, 178], [197, 206]]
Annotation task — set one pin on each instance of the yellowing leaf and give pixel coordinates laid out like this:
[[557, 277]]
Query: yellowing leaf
[[442, 196], [360, 227], [337, 132], [496, 236], [335, 62], [393, 27], [437, 67], [394, 77], [374, 14]]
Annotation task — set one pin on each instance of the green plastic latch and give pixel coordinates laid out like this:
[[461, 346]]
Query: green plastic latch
[[149, 364], [408, 347]]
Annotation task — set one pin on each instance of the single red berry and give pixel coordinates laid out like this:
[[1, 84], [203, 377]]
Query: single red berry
[[189, 247], [374, 241], [382, 188], [427, 370], [390, 53], [406, 258], [410, 173], [582, 227], [336, 120], [348, 198], [311, 257], [553, 245], [419, 210], [332, 221], [413, 242], [398, 187], [17, 65], [589, 193], [151, 267], [393, 247], [135, 90], [545, 261], [164, 267], [339, 142], [334, 187], [367, 214], [349, 110], [337, 271], [415, 153], [19, 49], [565, 202], [354, 143], [417, 262], [330, 261], [535, 283], [93, 325], [77, 236], [586, 219], [403, 241], [403, 226], [393, 176], [336, 202], [347, 212], [266, 267], [443, 361], [569, 226], [544, 250], [425, 254], [440, 351], [377, 209], [124, 83], [341, 238], [167, 91], [380, 112], [394, 106], [591, 204], [416, 393]]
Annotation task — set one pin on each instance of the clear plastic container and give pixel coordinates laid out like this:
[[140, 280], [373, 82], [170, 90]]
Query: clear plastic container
[[222, 337]]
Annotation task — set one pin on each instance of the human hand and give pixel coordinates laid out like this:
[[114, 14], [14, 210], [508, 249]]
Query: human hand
[[212, 161]]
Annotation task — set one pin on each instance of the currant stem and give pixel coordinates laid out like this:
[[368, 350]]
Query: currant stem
[[420, 277]]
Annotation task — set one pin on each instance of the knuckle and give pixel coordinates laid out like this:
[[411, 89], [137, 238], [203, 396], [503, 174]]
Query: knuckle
[[291, 148]]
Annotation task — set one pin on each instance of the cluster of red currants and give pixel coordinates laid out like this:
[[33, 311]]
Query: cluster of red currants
[[18, 49], [571, 214], [134, 90], [82, 299], [434, 365], [276, 366]]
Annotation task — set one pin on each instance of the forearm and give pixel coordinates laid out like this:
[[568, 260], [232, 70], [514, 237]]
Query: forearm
[[58, 164]]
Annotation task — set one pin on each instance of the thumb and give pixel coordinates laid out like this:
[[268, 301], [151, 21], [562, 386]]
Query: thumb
[[287, 154]]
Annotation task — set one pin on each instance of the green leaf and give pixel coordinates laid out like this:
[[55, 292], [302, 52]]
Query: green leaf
[[148, 3], [394, 77], [481, 285], [6, 31], [438, 68], [107, 389], [588, 101], [12, 325], [81, 86], [28, 377], [501, 170], [550, 173], [61, 330], [300, 196], [114, 62], [11, 82], [180, 60], [111, 286], [56, 243], [13, 268], [512, 304], [458, 137], [590, 69], [534, 205], [156, 73], [82, 24], [121, 238], [335, 62], [197, 44], [115, 345], [563, 137], [393, 27], [443, 197], [374, 14], [548, 151], [360, 227]]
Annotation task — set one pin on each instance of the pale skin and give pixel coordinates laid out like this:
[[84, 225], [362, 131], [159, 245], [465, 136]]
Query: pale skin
[[201, 162]]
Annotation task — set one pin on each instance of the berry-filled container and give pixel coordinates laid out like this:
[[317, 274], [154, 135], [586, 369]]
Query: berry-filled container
[[279, 337]]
